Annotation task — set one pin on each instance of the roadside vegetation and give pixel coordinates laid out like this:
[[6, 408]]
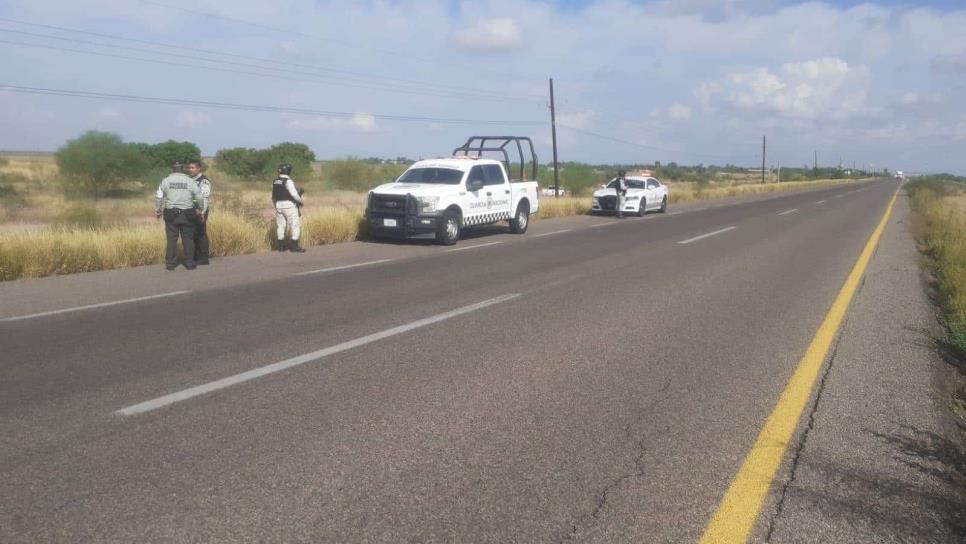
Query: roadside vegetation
[[940, 205], [89, 206]]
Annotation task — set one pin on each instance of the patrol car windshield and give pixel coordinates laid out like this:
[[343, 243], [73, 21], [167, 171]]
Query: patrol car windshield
[[447, 176], [631, 184]]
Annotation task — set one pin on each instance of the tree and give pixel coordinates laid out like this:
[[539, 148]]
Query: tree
[[166, 153], [100, 161], [298, 155]]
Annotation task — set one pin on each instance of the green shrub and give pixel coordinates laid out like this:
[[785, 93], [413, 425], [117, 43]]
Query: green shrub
[[249, 163], [97, 162]]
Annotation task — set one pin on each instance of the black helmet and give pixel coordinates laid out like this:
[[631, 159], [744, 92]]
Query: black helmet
[[621, 173], [177, 166], [285, 168]]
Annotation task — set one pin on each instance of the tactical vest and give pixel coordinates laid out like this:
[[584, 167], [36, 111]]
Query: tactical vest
[[280, 192]]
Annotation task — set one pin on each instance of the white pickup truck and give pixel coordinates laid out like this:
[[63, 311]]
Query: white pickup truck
[[442, 196]]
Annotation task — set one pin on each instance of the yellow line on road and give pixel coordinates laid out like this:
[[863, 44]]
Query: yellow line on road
[[738, 511]]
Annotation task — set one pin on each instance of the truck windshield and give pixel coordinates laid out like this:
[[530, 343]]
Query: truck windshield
[[448, 176]]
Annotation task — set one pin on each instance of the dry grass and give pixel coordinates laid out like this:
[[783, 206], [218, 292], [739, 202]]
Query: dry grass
[[942, 235], [43, 233], [689, 192], [563, 206]]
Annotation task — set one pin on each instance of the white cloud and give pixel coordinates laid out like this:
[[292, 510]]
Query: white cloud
[[820, 88], [359, 122], [489, 36], [579, 119], [679, 112], [191, 119], [109, 113]]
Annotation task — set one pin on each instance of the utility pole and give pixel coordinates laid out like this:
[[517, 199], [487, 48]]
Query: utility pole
[[553, 132], [815, 164], [763, 159], [779, 171]]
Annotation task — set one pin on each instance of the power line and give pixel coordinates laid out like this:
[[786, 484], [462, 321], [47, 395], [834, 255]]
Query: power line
[[311, 79], [431, 85], [289, 32], [254, 107]]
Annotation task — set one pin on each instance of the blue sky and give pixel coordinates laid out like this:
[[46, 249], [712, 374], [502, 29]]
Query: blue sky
[[692, 81]]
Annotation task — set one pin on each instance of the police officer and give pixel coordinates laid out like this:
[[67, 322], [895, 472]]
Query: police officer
[[288, 201], [201, 229], [176, 201], [621, 188]]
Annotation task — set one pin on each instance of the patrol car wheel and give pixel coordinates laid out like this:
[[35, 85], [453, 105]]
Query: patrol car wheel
[[449, 229], [520, 222], [642, 211], [664, 205]]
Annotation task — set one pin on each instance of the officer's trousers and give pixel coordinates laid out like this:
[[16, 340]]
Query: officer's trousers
[[201, 241], [179, 223], [288, 216]]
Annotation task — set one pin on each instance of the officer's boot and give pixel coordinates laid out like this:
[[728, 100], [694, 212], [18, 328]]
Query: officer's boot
[[295, 248], [282, 246]]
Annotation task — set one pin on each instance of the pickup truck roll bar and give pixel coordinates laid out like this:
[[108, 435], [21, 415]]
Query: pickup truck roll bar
[[478, 144]]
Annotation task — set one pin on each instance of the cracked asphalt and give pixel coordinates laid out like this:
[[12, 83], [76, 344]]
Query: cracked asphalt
[[612, 401]]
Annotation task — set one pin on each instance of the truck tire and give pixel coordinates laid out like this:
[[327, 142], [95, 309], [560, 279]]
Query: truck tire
[[521, 220], [449, 229]]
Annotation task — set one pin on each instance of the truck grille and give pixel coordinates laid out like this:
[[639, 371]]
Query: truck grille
[[392, 204], [607, 202]]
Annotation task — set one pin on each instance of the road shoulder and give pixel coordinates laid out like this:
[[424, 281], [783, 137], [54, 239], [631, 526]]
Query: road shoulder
[[880, 458]]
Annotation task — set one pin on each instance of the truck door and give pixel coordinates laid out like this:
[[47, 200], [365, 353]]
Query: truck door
[[475, 202], [499, 198]]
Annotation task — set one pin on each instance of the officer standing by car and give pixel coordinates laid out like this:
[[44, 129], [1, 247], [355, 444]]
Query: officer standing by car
[[195, 170], [288, 201], [621, 188], [176, 200]]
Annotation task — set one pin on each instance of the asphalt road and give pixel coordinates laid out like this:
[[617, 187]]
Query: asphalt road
[[607, 391]]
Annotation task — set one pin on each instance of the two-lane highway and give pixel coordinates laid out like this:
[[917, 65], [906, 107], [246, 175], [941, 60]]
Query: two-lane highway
[[601, 380]]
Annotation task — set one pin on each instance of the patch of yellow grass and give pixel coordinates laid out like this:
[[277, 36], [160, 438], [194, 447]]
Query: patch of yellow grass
[[563, 206], [331, 226], [942, 226]]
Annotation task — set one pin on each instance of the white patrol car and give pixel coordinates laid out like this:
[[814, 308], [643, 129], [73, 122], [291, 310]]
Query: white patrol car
[[441, 196], [644, 194]]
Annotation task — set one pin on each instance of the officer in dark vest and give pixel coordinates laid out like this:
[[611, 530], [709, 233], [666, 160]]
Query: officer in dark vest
[[201, 229], [621, 188], [176, 200], [288, 201]]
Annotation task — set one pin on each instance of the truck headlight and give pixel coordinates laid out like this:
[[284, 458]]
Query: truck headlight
[[595, 200], [427, 204]]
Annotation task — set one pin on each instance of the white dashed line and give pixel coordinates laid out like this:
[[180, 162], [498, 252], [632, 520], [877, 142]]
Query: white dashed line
[[91, 306], [199, 390], [839, 196], [474, 247], [553, 232], [821, 202], [786, 212], [603, 224], [675, 213], [345, 267], [703, 236]]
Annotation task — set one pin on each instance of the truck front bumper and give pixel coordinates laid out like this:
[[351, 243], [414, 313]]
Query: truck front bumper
[[402, 226]]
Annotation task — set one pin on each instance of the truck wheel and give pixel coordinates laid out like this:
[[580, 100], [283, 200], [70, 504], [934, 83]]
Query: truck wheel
[[520, 221], [449, 229], [664, 205]]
